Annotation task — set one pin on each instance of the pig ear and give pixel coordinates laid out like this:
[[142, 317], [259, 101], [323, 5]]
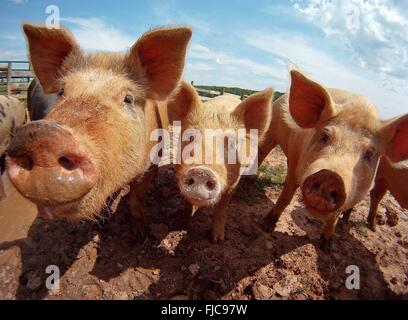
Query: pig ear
[[182, 101], [256, 110], [48, 49], [158, 58], [309, 103], [394, 139]]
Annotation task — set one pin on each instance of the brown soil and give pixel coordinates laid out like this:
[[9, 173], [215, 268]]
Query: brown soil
[[176, 260]]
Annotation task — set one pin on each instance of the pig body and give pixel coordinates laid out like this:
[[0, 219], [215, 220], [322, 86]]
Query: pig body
[[211, 183], [95, 140], [12, 116], [333, 140], [390, 177], [39, 103]]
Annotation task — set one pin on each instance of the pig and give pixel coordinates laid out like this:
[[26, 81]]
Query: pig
[[12, 116], [213, 184], [95, 140], [333, 141], [39, 104], [390, 177]]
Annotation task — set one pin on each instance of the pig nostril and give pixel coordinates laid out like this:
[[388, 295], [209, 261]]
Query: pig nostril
[[24, 162], [190, 182], [66, 163], [210, 185], [315, 186], [334, 197]]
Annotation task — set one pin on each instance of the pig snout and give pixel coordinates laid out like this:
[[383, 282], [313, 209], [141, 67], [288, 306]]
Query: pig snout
[[200, 184], [48, 165], [324, 191]]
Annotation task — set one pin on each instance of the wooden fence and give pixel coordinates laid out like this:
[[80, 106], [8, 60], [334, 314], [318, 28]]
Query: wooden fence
[[15, 77]]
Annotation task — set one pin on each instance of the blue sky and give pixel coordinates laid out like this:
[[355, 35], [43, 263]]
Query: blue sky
[[357, 45]]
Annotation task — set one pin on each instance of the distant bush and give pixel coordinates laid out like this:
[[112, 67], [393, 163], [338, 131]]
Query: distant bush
[[232, 90]]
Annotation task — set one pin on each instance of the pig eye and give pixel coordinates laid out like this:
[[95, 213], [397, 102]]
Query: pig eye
[[324, 137], [368, 155], [128, 99]]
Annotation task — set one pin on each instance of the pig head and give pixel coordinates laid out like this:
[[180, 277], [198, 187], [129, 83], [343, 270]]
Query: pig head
[[209, 132], [333, 141], [96, 138]]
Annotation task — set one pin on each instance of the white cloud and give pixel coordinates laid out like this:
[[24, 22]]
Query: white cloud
[[220, 58], [95, 34], [208, 66], [375, 31], [326, 68]]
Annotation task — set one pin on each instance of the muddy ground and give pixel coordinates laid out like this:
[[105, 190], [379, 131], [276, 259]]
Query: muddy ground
[[177, 261]]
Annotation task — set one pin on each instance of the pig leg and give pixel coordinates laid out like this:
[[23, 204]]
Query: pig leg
[[2, 186], [137, 193], [220, 216], [2, 189], [267, 146], [327, 235], [283, 201], [376, 195], [346, 215]]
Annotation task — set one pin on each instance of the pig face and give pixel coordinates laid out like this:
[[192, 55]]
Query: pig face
[[204, 180], [96, 138], [339, 159]]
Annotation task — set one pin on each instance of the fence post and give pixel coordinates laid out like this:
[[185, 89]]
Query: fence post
[[29, 69], [9, 69]]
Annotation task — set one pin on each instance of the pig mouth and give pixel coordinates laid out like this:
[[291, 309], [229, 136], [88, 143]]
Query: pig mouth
[[66, 211], [196, 198], [71, 211]]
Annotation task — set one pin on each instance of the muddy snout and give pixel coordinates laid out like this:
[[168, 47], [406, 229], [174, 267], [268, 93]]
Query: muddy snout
[[200, 184], [48, 165], [324, 191]]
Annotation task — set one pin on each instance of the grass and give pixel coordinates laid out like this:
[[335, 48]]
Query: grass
[[361, 228], [270, 176]]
